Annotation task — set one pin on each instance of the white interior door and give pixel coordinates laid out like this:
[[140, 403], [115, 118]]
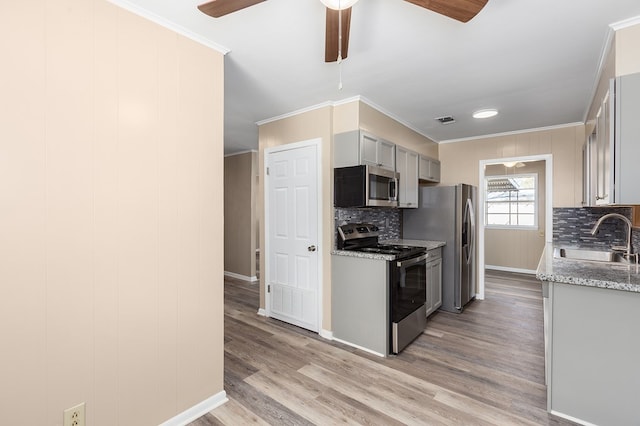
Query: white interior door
[[292, 274]]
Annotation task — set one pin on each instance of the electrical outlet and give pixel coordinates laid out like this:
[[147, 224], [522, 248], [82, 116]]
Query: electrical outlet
[[74, 416]]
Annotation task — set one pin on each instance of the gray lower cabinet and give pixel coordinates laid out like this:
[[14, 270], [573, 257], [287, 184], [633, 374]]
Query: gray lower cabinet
[[434, 280], [359, 302], [594, 354]]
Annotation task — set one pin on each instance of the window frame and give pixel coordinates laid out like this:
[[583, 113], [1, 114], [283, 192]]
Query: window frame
[[536, 222]]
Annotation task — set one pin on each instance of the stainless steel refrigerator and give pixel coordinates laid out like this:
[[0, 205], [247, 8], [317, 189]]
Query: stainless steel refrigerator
[[448, 213]]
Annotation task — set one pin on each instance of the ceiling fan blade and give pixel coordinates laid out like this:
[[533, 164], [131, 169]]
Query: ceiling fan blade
[[460, 10], [218, 8], [331, 34]]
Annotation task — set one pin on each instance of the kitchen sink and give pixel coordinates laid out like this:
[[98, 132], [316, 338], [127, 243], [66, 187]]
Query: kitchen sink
[[590, 255]]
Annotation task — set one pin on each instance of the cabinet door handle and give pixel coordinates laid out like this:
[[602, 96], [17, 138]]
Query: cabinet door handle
[[311, 248]]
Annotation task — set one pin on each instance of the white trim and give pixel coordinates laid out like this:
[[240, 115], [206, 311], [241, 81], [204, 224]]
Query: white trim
[[317, 144], [326, 334], [359, 347], [511, 133], [573, 419], [246, 151], [163, 22], [625, 23], [548, 231], [262, 312], [240, 277], [294, 113], [508, 269], [197, 410]]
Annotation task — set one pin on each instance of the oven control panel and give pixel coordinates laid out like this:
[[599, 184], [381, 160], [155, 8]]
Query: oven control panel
[[352, 231]]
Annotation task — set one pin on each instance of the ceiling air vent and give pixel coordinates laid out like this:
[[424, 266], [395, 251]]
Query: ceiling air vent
[[447, 119]]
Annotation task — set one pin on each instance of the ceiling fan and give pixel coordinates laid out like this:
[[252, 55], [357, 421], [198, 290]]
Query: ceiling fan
[[338, 21]]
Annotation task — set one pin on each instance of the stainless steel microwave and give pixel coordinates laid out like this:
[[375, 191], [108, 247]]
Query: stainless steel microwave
[[365, 186]]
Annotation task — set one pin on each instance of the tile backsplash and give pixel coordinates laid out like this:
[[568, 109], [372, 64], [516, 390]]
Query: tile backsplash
[[387, 219], [572, 226]]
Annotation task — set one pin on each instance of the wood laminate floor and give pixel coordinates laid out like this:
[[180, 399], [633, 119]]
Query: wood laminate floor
[[482, 367]]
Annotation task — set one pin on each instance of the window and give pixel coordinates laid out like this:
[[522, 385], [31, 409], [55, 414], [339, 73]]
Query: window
[[511, 201]]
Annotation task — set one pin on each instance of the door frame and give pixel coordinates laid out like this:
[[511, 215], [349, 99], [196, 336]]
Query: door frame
[[317, 144], [548, 214]]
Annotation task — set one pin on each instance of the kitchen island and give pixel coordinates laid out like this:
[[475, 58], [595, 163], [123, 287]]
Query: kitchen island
[[592, 345]]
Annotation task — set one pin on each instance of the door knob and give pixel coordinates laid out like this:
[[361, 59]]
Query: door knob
[[311, 248]]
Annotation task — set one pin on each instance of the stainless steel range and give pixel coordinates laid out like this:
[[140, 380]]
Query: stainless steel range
[[407, 280]]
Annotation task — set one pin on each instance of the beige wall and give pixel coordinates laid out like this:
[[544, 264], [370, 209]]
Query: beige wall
[[460, 160], [627, 41], [381, 125], [240, 173], [110, 218], [522, 248], [360, 115]]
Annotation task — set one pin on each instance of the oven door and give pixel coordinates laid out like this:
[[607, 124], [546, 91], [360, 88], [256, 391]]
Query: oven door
[[408, 282]]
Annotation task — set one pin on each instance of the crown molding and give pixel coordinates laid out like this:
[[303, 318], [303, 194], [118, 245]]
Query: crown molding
[[163, 22], [246, 151], [294, 113], [515, 132], [625, 23]]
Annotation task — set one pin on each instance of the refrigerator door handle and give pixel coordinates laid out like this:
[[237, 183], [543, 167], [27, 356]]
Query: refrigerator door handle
[[468, 231], [472, 237]]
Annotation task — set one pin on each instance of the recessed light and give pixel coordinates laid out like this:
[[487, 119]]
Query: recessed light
[[485, 113]]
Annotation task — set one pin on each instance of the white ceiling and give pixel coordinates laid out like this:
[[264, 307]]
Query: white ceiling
[[534, 60]]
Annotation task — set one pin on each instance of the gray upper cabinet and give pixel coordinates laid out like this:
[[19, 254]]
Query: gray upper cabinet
[[612, 150], [377, 152], [429, 169], [359, 147], [407, 166]]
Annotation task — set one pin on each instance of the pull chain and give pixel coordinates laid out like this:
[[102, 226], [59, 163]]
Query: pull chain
[[339, 46]]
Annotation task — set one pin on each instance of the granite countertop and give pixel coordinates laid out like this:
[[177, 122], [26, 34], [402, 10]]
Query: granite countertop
[[614, 276], [429, 245], [364, 255]]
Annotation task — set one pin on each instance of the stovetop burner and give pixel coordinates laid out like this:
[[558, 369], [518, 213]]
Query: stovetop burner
[[363, 237]]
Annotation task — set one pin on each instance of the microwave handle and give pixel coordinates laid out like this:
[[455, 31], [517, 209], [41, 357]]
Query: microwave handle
[[393, 190]]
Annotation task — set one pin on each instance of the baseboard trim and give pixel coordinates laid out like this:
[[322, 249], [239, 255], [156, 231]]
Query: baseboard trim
[[326, 334], [197, 410], [359, 347], [507, 269], [573, 419], [262, 312], [240, 277]]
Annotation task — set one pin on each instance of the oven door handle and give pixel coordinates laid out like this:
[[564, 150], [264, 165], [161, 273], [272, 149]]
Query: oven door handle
[[412, 261]]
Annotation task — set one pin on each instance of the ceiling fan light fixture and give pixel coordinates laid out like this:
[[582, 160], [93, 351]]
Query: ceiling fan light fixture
[[338, 4], [485, 113]]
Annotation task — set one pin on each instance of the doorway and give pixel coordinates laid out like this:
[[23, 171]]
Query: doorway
[[487, 168], [292, 228]]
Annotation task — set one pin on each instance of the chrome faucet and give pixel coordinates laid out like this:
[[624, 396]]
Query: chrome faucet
[[627, 249]]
